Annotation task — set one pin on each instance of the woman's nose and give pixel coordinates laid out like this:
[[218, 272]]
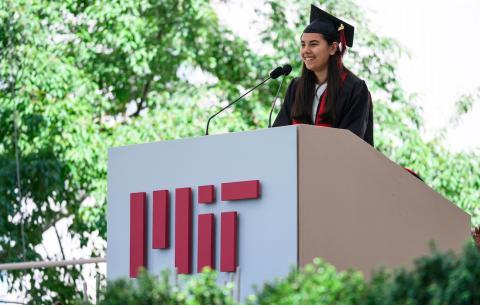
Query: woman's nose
[[305, 50]]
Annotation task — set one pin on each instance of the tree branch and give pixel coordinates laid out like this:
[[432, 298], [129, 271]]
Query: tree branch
[[47, 226], [143, 99], [59, 241], [45, 249]]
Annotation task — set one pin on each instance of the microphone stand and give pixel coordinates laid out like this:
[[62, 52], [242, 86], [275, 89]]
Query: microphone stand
[[273, 103], [218, 112]]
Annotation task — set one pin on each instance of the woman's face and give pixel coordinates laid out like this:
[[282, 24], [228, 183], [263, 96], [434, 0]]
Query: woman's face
[[315, 51]]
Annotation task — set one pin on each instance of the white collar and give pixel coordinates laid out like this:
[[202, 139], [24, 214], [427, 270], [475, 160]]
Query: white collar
[[319, 91]]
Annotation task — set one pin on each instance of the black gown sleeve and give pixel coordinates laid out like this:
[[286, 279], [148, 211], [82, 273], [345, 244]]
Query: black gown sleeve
[[357, 111], [284, 116]]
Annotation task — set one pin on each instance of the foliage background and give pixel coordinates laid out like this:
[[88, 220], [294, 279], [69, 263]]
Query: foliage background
[[438, 278], [77, 77]]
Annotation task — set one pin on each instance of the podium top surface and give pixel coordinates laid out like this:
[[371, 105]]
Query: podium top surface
[[265, 132]]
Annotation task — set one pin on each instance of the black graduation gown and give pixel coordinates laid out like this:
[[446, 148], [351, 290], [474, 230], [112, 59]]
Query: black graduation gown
[[354, 108]]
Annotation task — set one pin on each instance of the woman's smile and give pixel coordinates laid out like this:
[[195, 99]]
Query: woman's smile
[[308, 59]]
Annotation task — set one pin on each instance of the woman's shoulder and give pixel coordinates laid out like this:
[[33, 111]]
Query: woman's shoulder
[[294, 82], [292, 87], [353, 79], [354, 85]]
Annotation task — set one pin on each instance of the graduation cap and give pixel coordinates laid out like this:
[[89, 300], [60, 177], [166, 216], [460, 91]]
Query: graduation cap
[[329, 26]]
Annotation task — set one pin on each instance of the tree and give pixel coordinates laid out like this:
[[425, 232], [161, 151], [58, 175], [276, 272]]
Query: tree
[[77, 77]]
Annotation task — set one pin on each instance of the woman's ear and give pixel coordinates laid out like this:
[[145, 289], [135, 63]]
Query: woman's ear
[[332, 49]]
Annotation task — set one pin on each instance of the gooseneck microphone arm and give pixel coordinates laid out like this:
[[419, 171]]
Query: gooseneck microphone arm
[[218, 112], [273, 103], [273, 75], [286, 69]]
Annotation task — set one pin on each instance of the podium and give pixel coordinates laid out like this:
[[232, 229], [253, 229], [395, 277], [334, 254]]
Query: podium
[[252, 205]]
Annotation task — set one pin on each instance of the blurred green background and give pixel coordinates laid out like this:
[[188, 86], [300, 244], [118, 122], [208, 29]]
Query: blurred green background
[[77, 77]]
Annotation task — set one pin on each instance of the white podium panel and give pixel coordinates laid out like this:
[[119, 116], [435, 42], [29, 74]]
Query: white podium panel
[[267, 225]]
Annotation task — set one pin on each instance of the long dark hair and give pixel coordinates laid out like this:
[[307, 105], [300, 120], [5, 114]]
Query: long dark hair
[[305, 91]]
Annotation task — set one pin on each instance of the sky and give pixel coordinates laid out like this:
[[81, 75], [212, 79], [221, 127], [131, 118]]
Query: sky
[[443, 62]]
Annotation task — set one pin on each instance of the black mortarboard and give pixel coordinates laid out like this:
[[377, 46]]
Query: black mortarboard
[[329, 26]]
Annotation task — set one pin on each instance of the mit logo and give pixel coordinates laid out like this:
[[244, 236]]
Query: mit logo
[[231, 191]]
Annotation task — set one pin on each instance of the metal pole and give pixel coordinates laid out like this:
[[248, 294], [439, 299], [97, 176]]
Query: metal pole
[[97, 288], [237, 286], [46, 264], [85, 296], [175, 278], [232, 276]]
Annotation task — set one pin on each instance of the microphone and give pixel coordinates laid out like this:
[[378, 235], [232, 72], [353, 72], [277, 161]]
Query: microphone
[[278, 71], [286, 69]]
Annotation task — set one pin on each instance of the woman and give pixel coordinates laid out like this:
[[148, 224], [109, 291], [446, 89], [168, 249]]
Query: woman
[[327, 93]]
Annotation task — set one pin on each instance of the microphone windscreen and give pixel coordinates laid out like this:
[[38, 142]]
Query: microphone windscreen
[[276, 72], [286, 69]]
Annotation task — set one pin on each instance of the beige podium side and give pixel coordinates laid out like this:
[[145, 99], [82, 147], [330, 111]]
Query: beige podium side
[[357, 209]]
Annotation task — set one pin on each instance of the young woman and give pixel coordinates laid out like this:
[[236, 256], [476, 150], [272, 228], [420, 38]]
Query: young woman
[[327, 93]]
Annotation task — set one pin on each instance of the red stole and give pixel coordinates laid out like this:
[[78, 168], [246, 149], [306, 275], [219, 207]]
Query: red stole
[[322, 106]]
